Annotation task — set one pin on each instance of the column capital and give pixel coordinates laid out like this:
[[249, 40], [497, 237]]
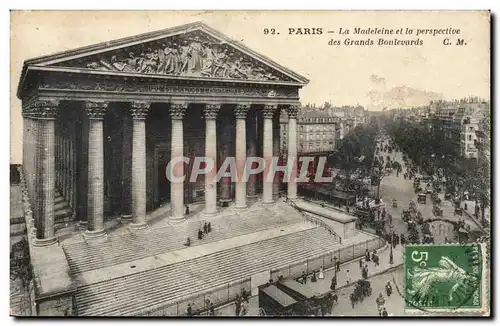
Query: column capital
[[241, 110], [292, 111], [178, 110], [269, 110], [139, 110], [96, 109], [43, 109], [210, 111]]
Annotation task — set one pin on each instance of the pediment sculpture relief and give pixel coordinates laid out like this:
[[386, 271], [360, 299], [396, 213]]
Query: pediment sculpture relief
[[186, 56]]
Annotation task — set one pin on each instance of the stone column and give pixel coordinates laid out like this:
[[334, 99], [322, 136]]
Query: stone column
[[225, 149], [139, 112], [95, 188], [276, 152], [46, 112], [267, 192], [210, 111], [177, 112], [252, 151], [240, 113], [292, 151]]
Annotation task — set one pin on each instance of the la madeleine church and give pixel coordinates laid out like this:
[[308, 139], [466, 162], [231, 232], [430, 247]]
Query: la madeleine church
[[102, 122]]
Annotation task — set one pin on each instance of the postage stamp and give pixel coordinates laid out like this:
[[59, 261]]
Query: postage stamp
[[444, 278]]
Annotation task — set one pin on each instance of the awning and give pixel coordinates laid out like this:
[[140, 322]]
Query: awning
[[279, 296]]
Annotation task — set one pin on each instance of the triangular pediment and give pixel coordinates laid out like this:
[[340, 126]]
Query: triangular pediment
[[193, 50]]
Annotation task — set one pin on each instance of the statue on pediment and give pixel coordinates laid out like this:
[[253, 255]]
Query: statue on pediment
[[186, 56]]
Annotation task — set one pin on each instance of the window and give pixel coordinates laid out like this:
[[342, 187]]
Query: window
[[470, 137], [471, 129], [301, 136]]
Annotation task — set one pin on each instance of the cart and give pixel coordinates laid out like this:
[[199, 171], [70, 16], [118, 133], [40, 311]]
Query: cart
[[437, 211]]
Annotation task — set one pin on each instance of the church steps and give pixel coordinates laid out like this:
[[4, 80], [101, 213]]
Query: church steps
[[185, 289], [121, 252], [281, 254], [218, 259], [182, 289]]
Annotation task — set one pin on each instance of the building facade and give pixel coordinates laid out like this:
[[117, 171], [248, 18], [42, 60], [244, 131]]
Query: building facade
[[320, 129], [101, 124], [459, 121]]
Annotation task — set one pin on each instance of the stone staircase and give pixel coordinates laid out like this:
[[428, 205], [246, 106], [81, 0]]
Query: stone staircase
[[121, 248], [163, 287]]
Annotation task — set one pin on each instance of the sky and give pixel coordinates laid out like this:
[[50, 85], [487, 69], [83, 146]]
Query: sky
[[372, 76]]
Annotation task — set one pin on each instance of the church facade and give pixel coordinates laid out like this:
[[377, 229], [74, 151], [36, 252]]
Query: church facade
[[101, 123]]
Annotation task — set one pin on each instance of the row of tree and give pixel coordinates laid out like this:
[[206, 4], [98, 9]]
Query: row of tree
[[355, 152]]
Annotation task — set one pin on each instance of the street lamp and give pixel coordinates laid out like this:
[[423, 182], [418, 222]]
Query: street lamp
[[391, 256]]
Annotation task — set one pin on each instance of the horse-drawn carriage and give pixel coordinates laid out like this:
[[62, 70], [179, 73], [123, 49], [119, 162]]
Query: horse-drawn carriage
[[435, 198], [362, 290], [406, 215], [419, 219], [437, 211]]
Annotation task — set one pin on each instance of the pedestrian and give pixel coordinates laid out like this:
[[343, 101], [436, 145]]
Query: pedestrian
[[304, 278], [321, 273], [211, 309], [465, 206], [364, 273], [189, 310], [237, 305], [200, 234], [209, 227], [352, 300], [384, 313], [188, 242], [244, 295], [313, 277], [333, 283], [348, 276], [243, 309], [205, 228], [337, 266], [388, 288], [367, 255], [380, 301], [391, 258], [361, 263], [187, 210]]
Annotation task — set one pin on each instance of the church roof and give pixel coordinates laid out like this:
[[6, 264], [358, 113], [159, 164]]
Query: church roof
[[113, 58]]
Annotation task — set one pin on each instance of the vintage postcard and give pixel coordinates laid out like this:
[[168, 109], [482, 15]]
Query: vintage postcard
[[250, 163]]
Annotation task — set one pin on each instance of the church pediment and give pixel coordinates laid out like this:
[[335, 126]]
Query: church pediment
[[193, 51]]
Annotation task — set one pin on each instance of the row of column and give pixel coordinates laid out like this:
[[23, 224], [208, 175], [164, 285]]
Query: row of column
[[40, 167]]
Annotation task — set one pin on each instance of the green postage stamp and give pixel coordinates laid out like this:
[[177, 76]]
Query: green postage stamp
[[445, 278]]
